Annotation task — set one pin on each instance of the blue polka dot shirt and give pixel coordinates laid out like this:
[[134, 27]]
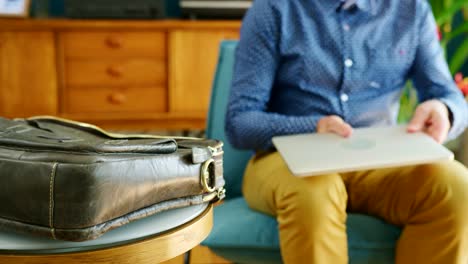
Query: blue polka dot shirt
[[300, 60]]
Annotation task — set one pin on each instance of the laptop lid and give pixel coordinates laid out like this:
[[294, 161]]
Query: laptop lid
[[367, 148]]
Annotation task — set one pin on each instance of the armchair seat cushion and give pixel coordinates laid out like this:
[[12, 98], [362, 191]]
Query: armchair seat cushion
[[246, 236]]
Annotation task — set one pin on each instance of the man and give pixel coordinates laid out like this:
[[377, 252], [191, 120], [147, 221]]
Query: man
[[330, 66]]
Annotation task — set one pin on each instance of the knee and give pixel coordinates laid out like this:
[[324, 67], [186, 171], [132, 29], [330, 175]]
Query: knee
[[445, 185], [444, 178], [316, 199]]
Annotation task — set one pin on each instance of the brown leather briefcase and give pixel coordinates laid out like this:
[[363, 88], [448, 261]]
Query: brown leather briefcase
[[74, 181]]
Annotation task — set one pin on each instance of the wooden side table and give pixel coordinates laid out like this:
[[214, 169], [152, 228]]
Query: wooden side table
[[139, 242]]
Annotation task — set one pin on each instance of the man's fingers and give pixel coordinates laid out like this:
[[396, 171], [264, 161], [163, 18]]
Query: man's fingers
[[418, 122], [438, 129], [334, 124], [343, 129], [431, 117]]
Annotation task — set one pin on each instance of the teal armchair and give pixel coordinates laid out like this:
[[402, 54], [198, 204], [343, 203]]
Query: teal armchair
[[242, 235]]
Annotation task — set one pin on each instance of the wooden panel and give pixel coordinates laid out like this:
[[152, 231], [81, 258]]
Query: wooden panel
[[28, 80], [114, 44], [192, 62], [131, 71], [111, 100]]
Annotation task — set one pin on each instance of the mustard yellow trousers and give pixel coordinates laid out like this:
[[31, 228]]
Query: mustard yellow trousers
[[430, 202]]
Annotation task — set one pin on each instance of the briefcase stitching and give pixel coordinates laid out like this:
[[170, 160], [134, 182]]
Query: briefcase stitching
[[51, 199]]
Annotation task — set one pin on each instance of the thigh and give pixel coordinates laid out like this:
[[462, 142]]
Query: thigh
[[267, 181], [395, 193]]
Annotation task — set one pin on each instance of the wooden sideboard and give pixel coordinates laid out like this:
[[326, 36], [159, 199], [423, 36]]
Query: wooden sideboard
[[117, 74]]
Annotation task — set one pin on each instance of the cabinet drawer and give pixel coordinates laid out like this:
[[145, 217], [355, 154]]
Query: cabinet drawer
[[114, 44], [112, 100], [128, 72]]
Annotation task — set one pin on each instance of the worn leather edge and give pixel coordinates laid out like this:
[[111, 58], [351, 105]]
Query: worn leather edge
[[96, 231], [96, 129]]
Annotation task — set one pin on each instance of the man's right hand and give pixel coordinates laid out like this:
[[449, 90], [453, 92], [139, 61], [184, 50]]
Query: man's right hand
[[334, 124]]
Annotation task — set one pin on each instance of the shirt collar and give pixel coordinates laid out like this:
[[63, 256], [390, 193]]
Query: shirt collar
[[332, 5]]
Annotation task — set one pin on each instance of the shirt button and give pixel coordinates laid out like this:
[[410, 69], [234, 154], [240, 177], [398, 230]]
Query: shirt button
[[346, 27], [374, 84], [348, 63], [344, 98]]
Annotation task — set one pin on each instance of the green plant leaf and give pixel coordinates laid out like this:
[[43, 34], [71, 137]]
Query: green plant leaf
[[459, 57], [447, 3], [437, 7], [447, 14], [463, 28]]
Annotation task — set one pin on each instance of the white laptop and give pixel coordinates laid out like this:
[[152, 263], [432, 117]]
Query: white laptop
[[367, 148]]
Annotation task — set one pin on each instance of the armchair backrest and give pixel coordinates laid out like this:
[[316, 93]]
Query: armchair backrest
[[234, 160]]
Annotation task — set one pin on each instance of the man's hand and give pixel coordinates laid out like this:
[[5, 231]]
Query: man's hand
[[431, 117], [334, 124]]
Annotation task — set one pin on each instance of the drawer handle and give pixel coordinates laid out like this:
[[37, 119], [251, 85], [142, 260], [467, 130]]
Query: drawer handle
[[114, 72], [117, 98], [113, 43]]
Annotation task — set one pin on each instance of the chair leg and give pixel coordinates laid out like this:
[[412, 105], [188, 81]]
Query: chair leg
[[187, 257]]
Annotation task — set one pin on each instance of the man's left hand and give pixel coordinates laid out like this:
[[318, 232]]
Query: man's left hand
[[431, 117]]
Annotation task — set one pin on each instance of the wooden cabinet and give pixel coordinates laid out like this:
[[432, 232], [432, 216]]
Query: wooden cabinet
[[28, 77], [116, 74]]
